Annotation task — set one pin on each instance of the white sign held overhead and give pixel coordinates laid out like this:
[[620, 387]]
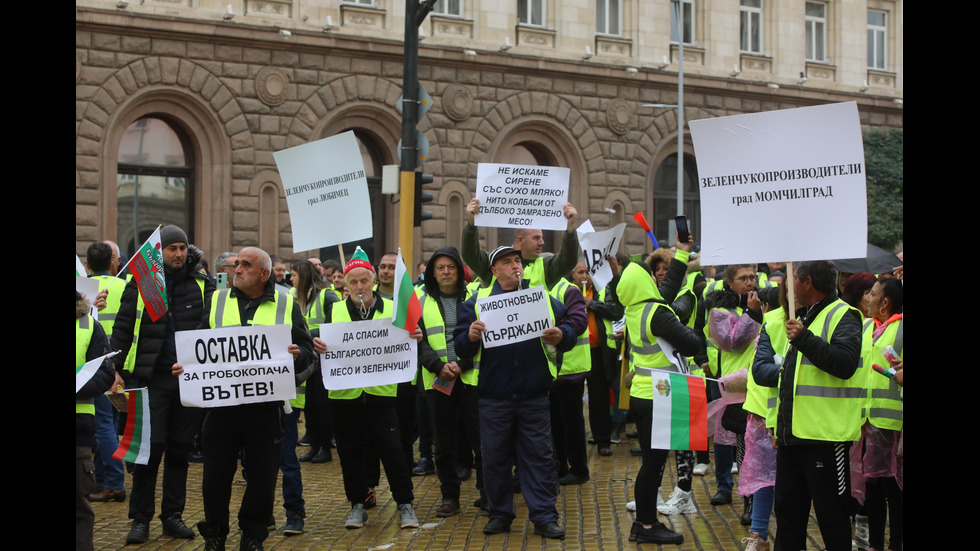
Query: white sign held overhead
[[782, 185], [518, 196], [514, 317], [366, 353], [326, 192], [235, 365], [596, 246]]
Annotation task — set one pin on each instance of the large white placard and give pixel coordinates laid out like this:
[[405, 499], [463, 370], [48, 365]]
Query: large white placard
[[366, 353], [519, 196], [514, 317], [782, 185], [326, 192], [236, 365], [596, 246]]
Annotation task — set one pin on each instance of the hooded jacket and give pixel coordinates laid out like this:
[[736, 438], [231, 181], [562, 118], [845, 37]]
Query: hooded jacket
[[637, 287], [428, 358], [155, 348]]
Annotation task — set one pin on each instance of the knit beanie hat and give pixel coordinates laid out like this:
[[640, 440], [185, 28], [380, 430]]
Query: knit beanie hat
[[358, 260], [172, 234]]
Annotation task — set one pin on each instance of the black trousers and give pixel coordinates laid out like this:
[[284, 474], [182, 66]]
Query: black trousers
[[445, 411], [601, 379], [256, 430], [172, 430], [355, 422], [817, 473], [652, 468], [568, 429]]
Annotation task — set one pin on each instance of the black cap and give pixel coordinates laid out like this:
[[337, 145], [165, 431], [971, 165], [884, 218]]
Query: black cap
[[501, 252]]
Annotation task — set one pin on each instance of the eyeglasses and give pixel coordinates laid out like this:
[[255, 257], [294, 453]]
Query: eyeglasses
[[747, 278]]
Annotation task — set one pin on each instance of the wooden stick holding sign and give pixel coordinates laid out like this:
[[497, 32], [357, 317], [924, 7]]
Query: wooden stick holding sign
[[790, 291]]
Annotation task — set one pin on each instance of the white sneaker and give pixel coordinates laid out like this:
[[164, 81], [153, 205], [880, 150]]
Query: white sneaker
[[755, 543], [680, 503], [630, 505], [407, 514], [358, 516], [861, 532], [701, 469]]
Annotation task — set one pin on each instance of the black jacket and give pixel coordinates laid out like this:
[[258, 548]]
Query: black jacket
[[305, 364], [839, 357], [428, 358], [155, 349]]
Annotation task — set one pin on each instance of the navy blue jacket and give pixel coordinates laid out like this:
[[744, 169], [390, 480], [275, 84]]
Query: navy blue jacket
[[516, 371]]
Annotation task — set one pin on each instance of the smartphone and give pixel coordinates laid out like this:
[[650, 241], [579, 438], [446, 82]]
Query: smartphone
[[222, 278], [683, 233]]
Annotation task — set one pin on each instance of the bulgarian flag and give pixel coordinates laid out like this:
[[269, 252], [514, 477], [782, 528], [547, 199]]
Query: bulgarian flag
[[147, 268], [408, 309], [80, 270], [680, 412], [135, 444]]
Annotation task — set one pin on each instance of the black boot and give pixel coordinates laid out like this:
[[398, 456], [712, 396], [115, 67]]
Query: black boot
[[213, 540], [746, 519]]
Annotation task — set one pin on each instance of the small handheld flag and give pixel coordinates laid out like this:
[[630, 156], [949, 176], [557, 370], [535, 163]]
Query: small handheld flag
[[642, 221], [408, 309]]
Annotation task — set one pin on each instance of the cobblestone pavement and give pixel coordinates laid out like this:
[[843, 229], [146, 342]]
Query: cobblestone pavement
[[593, 514]]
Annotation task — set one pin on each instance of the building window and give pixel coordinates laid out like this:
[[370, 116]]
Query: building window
[[816, 31], [531, 12], [688, 21], [877, 32], [608, 17], [751, 16], [153, 186], [665, 198], [449, 7]]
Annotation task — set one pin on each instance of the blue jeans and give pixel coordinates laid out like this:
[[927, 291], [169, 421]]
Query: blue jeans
[[762, 510], [292, 477], [109, 472], [724, 459]]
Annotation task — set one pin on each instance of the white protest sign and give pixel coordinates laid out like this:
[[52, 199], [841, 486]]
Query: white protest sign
[[326, 192], [366, 353], [514, 317], [235, 365], [782, 185], [596, 246], [518, 196], [90, 288]]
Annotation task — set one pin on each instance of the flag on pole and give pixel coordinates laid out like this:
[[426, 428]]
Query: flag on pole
[[135, 444], [80, 270], [147, 268], [85, 371], [680, 412], [642, 221], [408, 309]]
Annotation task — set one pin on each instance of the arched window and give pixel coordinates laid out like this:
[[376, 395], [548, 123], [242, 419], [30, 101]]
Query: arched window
[[455, 218], [154, 182], [665, 198]]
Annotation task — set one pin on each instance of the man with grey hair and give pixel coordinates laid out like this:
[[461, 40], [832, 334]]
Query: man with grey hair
[[225, 262], [255, 428]]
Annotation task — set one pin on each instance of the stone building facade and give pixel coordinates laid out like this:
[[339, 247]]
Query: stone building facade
[[212, 95]]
